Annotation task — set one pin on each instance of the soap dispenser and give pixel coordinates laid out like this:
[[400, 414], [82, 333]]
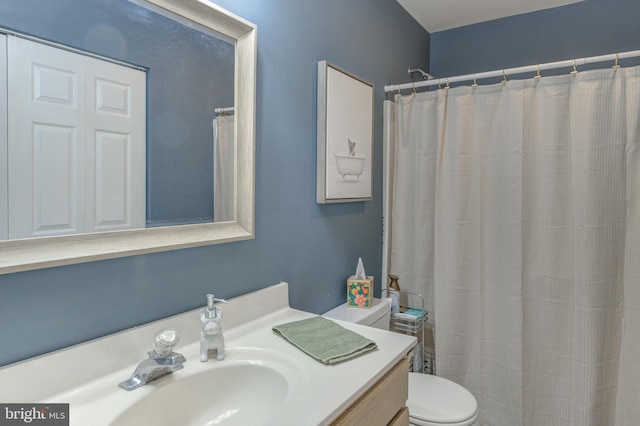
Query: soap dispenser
[[394, 293], [211, 337]]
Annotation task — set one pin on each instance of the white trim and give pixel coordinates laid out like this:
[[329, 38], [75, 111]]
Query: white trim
[[388, 157]]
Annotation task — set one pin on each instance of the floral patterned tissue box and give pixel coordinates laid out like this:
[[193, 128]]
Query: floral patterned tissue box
[[359, 292]]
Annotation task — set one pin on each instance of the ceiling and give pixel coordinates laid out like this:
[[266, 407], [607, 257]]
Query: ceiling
[[440, 15]]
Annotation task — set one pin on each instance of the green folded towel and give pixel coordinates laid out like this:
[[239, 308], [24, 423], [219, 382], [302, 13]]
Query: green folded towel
[[324, 340]]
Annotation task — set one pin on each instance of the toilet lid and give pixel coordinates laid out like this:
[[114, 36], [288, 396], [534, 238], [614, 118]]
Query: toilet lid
[[435, 399]]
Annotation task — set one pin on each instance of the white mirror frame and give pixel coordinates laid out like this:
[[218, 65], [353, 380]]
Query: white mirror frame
[[37, 253]]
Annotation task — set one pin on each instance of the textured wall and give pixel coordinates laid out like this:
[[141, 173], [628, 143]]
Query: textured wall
[[313, 247], [588, 28]]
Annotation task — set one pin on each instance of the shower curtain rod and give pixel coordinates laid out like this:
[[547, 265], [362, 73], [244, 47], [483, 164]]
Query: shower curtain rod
[[519, 70], [228, 110]]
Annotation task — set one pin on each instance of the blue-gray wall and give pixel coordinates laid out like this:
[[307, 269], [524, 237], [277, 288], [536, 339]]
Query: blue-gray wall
[[588, 28], [313, 247]]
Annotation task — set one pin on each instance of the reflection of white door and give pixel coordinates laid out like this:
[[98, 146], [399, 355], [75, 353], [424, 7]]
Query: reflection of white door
[[76, 143], [116, 156], [223, 166], [4, 220]]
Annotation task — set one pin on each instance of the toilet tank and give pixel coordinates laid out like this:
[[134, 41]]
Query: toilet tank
[[378, 315]]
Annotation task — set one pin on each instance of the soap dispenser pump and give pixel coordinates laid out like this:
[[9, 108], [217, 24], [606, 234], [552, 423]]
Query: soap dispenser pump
[[211, 337]]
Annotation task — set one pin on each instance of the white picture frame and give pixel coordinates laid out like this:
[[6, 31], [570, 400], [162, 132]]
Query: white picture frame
[[344, 136]]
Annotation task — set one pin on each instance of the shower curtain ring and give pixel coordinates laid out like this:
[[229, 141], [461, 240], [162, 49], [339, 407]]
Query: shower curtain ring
[[538, 76], [504, 76], [447, 82], [575, 68], [615, 65], [414, 87], [439, 85], [475, 81]]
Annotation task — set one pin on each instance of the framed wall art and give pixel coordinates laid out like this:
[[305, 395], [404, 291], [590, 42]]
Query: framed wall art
[[345, 136]]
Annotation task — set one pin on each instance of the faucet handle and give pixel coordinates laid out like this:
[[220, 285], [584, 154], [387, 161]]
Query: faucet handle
[[165, 341]]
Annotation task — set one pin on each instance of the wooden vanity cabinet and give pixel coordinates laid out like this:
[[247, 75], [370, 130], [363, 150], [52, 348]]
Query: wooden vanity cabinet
[[384, 403]]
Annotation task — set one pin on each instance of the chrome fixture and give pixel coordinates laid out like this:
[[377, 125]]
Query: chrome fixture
[[162, 361], [425, 75]]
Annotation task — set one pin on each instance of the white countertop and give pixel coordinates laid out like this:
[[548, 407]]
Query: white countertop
[[82, 375]]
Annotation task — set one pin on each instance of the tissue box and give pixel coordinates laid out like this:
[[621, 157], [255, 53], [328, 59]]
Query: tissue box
[[359, 292]]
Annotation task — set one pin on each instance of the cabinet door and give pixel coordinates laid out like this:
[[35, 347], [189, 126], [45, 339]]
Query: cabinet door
[[116, 142], [45, 148], [383, 403]]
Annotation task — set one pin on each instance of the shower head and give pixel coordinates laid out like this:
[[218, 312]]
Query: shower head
[[425, 75]]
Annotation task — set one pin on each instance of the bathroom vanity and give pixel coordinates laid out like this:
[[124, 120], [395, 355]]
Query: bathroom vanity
[[262, 380], [383, 403]]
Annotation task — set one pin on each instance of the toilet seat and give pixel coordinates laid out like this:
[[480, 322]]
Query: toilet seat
[[441, 402], [433, 401]]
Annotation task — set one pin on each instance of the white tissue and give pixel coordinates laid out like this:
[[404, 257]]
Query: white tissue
[[360, 274]]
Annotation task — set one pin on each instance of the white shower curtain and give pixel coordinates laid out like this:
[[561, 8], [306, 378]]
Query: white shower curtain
[[223, 160], [516, 212]]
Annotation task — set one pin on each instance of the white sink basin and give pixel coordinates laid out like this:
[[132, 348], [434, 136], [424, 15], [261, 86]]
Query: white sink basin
[[250, 386], [230, 393]]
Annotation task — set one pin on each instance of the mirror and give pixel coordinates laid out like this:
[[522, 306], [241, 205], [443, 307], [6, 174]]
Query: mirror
[[20, 255]]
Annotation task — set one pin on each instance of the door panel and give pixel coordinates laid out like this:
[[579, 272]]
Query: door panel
[[116, 146], [45, 146], [57, 188], [4, 204], [111, 183], [54, 86], [76, 143]]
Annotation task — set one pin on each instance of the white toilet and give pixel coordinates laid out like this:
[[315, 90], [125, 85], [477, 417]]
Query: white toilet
[[433, 401]]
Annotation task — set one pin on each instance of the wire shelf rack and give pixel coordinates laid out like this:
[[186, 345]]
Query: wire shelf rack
[[411, 319]]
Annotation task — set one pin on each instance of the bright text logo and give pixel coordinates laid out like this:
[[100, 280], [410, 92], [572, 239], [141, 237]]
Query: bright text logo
[[34, 414]]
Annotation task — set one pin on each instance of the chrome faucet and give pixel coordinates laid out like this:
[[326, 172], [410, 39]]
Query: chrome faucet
[[162, 361]]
